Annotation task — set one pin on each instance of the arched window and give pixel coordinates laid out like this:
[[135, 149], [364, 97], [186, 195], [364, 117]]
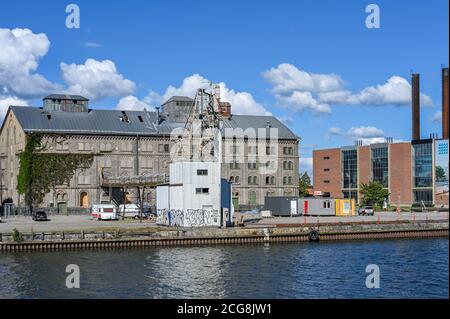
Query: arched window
[[267, 180], [231, 179], [84, 200], [284, 180], [290, 180], [236, 179], [249, 180], [272, 180]]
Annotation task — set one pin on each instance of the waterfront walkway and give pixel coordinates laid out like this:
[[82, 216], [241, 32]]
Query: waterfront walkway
[[86, 222]]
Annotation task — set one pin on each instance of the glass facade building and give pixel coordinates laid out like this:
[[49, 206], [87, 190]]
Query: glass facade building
[[380, 165], [350, 173], [422, 153]]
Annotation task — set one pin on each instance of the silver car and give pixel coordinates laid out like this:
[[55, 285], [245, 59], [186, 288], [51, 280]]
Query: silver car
[[366, 211]]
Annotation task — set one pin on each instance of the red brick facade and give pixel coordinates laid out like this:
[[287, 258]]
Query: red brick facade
[[400, 173], [364, 164], [327, 171]]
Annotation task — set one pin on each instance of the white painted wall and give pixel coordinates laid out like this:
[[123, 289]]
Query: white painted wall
[[183, 196]]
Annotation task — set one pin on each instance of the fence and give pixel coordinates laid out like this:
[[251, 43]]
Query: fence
[[10, 211]]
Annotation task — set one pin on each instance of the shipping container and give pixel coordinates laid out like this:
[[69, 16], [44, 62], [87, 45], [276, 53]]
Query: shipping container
[[281, 205]]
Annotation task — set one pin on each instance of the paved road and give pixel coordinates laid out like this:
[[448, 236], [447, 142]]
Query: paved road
[[67, 223], [381, 216], [86, 222]]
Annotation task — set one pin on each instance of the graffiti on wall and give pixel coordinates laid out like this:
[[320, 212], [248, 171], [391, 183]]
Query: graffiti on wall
[[188, 218]]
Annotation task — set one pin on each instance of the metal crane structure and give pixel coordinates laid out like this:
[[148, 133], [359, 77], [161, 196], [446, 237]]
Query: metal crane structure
[[201, 139]]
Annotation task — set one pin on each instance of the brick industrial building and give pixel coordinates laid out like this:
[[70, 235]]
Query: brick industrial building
[[138, 143], [413, 172]]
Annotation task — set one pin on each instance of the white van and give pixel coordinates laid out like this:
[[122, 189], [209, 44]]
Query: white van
[[104, 212]]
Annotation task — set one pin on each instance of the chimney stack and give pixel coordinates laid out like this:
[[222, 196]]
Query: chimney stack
[[445, 115], [415, 78]]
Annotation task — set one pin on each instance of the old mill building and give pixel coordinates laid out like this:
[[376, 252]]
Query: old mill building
[[136, 143]]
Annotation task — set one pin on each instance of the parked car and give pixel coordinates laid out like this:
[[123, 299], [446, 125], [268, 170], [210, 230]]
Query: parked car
[[104, 212], [366, 211], [40, 216]]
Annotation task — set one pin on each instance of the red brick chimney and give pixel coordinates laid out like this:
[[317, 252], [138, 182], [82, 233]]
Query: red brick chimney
[[225, 109]]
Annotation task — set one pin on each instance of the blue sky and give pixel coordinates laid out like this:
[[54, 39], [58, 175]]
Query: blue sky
[[332, 86]]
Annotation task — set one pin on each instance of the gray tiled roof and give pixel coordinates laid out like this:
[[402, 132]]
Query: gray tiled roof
[[179, 98], [100, 121], [65, 97]]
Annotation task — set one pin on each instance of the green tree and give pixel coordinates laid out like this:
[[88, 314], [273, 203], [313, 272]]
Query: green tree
[[303, 184], [374, 193], [40, 171], [440, 173]]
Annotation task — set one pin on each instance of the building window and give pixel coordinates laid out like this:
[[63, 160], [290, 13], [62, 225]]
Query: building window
[[326, 158], [380, 165], [202, 172], [326, 169], [326, 204], [326, 181], [253, 150], [350, 168], [423, 165], [234, 149], [351, 195], [270, 180], [425, 196], [234, 165], [105, 147], [163, 148], [236, 179], [252, 165], [202, 190]]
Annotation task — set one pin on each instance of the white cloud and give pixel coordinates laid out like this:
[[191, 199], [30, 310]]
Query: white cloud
[[396, 91], [437, 117], [7, 100], [20, 52], [365, 132], [287, 78], [334, 130], [241, 102], [306, 165], [96, 79], [93, 45], [301, 90], [132, 103], [301, 101]]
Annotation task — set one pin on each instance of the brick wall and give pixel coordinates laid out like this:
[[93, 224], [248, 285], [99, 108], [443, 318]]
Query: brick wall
[[400, 173], [327, 171]]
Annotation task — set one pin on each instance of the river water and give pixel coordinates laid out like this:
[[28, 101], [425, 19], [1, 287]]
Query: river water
[[408, 269]]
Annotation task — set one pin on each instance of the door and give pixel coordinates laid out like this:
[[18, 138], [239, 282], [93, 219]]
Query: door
[[252, 198], [236, 203], [294, 207], [62, 208], [84, 200]]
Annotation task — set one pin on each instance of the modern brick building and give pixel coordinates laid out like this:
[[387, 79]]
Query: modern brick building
[[126, 143], [412, 172]]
